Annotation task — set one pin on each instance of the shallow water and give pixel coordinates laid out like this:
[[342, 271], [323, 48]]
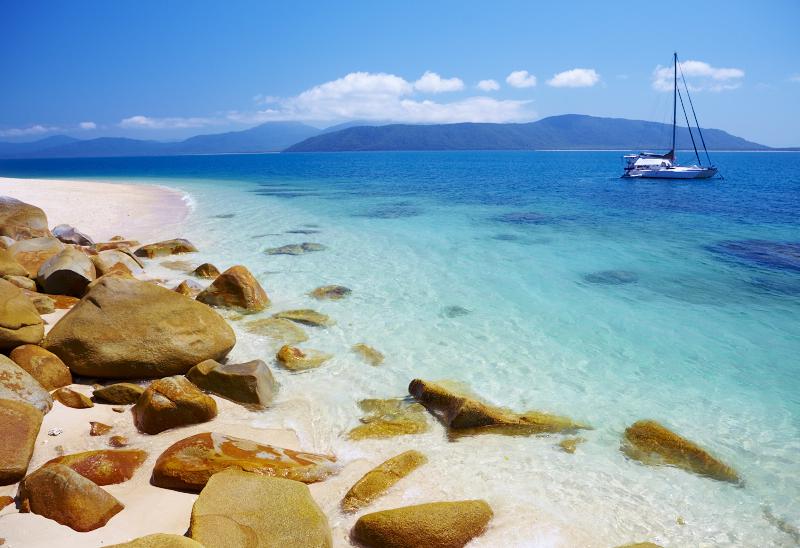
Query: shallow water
[[543, 281]]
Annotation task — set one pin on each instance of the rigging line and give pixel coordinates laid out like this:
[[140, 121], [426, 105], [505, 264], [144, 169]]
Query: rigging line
[[691, 104], [689, 127]]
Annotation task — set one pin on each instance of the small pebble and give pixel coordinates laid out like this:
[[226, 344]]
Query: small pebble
[[117, 441], [118, 409], [55, 432]]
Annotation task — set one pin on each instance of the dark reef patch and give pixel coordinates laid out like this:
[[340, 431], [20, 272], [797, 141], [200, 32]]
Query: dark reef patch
[[760, 253], [612, 277], [455, 311]]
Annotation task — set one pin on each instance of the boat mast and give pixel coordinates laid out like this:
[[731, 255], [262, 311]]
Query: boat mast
[[674, 100]]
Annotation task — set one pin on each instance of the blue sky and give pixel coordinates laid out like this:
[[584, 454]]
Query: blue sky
[[165, 70]]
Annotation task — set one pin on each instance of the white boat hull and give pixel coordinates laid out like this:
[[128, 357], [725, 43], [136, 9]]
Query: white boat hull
[[673, 173]]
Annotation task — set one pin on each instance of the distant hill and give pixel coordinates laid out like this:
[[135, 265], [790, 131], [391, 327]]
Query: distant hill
[[269, 137], [569, 132]]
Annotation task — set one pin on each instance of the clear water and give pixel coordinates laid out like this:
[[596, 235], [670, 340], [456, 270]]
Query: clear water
[[688, 328]]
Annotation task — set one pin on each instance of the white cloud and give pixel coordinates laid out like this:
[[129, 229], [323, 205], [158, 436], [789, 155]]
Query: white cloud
[[521, 79], [575, 78], [703, 77], [488, 85], [37, 129], [146, 122], [382, 96], [87, 125], [430, 82]]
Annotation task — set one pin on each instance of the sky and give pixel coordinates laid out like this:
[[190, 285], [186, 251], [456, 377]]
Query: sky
[[170, 69]]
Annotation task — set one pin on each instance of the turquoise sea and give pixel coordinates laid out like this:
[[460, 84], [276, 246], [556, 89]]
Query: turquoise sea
[[543, 281]]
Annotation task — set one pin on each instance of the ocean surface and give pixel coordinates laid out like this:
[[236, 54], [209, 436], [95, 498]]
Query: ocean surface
[[543, 281]]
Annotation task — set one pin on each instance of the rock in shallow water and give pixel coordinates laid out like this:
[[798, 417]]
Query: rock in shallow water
[[42, 365], [368, 354], [378, 480], [171, 402], [18, 385], [188, 464], [104, 466], [306, 316], [295, 249], [388, 418], [250, 383], [762, 253], [279, 330], [434, 525], [167, 247], [236, 288], [19, 426], [295, 359], [612, 277], [455, 311], [241, 509], [331, 292], [651, 443], [206, 270]]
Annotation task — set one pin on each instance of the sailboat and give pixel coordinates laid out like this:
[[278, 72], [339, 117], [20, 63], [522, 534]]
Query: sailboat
[[663, 166]]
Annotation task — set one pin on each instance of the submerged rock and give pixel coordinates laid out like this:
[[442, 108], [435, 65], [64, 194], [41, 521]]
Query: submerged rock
[[72, 398], [378, 480], [304, 231], [71, 235], [241, 509], [388, 418], [236, 288], [206, 270], [119, 393], [306, 316], [16, 384], [180, 266], [167, 247], [568, 445], [295, 249], [171, 402], [33, 253], [42, 365], [104, 466], [369, 354], [189, 463], [331, 292], [126, 328], [524, 218], [436, 524], [277, 329], [465, 415], [160, 540], [20, 322], [761, 253], [294, 359], [20, 220], [651, 443], [250, 383], [455, 311], [68, 273], [59, 493], [612, 277], [19, 426]]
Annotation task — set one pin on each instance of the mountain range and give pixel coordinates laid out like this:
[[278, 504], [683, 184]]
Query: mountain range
[[565, 132]]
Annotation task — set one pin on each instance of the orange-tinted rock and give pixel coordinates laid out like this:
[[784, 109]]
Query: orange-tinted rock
[[206, 270], [375, 482], [368, 354], [16, 384], [104, 466], [117, 260], [331, 292], [250, 384], [19, 426], [9, 265], [388, 418], [5, 501], [167, 247], [72, 398], [171, 402], [121, 392], [20, 220], [236, 288], [59, 493], [33, 253], [160, 540], [118, 441], [22, 282], [115, 244], [44, 304], [44, 366], [98, 428], [190, 288], [189, 463], [295, 359], [20, 322]]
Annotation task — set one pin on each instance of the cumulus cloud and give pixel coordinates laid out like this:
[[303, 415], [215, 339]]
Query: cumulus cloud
[[488, 85], [87, 125], [147, 122], [704, 77], [430, 82], [36, 129], [521, 79], [382, 96], [575, 78]]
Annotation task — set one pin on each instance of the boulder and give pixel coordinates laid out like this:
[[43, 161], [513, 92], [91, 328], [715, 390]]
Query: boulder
[[388, 418], [189, 288], [126, 328], [6, 242], [33, 253], [180, 266], [278, 330], [236, 288], [44, 366], [188, 464], [19, 426], [433, 525], [71, 235], [206, 270], [241, 509], [20, 322], [108, 260], [9, 265], [171, 402], [21, 221], [331, 292], [119, 393], [368, 354], [116, 244], [167, 247], [250, 383], [294, 359], [22, 282], [16, 384], [378, 480], [44, 304], [295, 249], [72, 398], [98, 428], [104, 466], [466, 415], [59, 493], [67, 273], [160, 540], [651, 443], [306, 316]]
